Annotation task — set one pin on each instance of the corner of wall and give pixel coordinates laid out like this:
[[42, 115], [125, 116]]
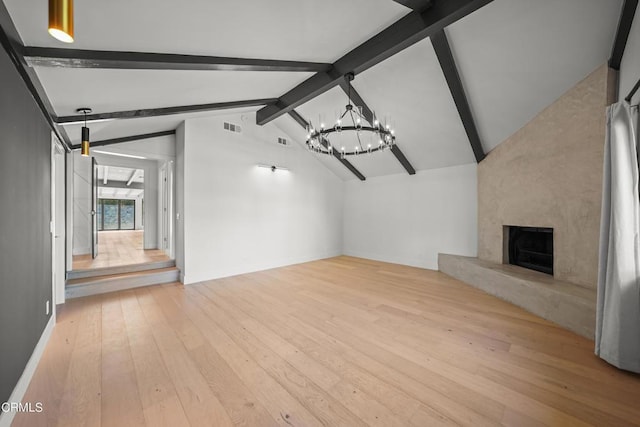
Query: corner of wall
[[613, 77]]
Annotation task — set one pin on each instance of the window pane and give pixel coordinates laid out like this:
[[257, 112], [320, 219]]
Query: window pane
[[127, 214], [110, 212], [100, 214]]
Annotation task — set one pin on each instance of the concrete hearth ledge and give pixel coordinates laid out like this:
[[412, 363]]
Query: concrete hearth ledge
[[571, 306]]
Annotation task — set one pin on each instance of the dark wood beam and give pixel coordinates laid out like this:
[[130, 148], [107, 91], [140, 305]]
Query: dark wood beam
[[398, 36], [165, 111], [77, 58], [633, 91], [417, 5], [12, 44], [123, 139], [368, 114], [304, 124], [450, 70], [622, 34]]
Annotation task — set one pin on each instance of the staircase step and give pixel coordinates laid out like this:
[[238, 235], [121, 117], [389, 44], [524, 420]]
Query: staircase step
[[121, 269], [86, 286]]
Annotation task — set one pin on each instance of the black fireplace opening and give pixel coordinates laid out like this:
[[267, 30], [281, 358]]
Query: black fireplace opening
[[531, 247]]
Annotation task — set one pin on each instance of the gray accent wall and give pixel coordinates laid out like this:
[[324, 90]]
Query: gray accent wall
[[25, 213]]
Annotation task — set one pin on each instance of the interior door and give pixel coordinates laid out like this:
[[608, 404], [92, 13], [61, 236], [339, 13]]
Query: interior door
[[94, 208], [164, 208]]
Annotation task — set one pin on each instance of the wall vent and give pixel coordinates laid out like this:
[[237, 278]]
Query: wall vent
[[232, 128], [283, 141]]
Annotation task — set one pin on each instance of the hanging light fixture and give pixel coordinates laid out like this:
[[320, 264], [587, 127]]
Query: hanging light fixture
[[369, 138], [61, 20], [84, 147]]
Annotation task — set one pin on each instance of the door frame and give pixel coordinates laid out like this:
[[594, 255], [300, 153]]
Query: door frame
[[166, 202], [58, 223], [94, 208]]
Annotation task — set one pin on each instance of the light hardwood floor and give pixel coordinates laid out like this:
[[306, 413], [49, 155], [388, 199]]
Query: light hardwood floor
[[116, 248], [342, 341]]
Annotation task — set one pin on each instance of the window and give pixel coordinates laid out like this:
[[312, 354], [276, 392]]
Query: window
[[116, 214]]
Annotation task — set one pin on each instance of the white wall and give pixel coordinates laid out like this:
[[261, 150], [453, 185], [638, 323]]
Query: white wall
[[630, 67], [410, 219], [138, 202], [179, 191], [239, 218]]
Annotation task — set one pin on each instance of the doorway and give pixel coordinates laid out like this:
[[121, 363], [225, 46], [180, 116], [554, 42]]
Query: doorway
[[119, 220]]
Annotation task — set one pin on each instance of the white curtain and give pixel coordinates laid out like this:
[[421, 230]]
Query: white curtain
[[618, 310]]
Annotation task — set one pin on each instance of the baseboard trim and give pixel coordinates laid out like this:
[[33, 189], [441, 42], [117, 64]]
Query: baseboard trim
[[255, 268], [6, 418], [401, 260]]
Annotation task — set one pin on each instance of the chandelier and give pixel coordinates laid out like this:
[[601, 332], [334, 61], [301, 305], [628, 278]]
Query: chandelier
[[370, 134]]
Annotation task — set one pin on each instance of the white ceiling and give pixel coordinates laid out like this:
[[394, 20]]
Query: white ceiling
[[109, 129], [303, 30], [515, 57], [122, 175], [119, 174], [102, 90], [410, 88], [118, 193]]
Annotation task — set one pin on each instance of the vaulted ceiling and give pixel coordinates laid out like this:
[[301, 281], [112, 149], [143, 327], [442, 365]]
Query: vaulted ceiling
[[514, 58]]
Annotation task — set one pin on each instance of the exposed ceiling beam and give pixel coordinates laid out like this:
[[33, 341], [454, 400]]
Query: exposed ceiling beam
[[77, 58], [450, 71], [133, 176], [622, 34], [106, 175], [305, 124], [127, 139], [121, 184], [633, 91], [417, 5], [12, 44], [368, 114], [408, 30], [165, 111]]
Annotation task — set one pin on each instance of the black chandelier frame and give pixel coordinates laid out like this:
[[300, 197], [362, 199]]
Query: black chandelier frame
[[318, 140]]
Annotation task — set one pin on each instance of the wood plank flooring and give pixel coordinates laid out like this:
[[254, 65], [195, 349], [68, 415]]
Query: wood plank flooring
[[342, 341], [116, 248]]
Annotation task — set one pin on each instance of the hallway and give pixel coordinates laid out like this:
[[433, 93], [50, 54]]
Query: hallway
[[116, 248]]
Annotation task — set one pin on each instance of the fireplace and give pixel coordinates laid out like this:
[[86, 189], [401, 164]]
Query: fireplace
[[531, 247]]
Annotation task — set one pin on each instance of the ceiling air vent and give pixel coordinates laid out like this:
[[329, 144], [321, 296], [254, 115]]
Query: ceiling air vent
[[283, 141], [232, 128]]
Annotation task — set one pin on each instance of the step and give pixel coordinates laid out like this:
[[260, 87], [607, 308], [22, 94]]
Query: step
[[570, 306], [86, 286], [120, 269]]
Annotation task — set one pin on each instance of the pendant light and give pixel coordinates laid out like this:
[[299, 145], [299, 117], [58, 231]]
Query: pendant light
[[61, 20], [84, 148]]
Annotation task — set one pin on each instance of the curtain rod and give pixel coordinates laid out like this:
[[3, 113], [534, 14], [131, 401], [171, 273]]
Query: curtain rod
[[633, 91]]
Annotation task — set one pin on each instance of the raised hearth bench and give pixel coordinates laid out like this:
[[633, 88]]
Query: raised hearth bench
[[571, 306]]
